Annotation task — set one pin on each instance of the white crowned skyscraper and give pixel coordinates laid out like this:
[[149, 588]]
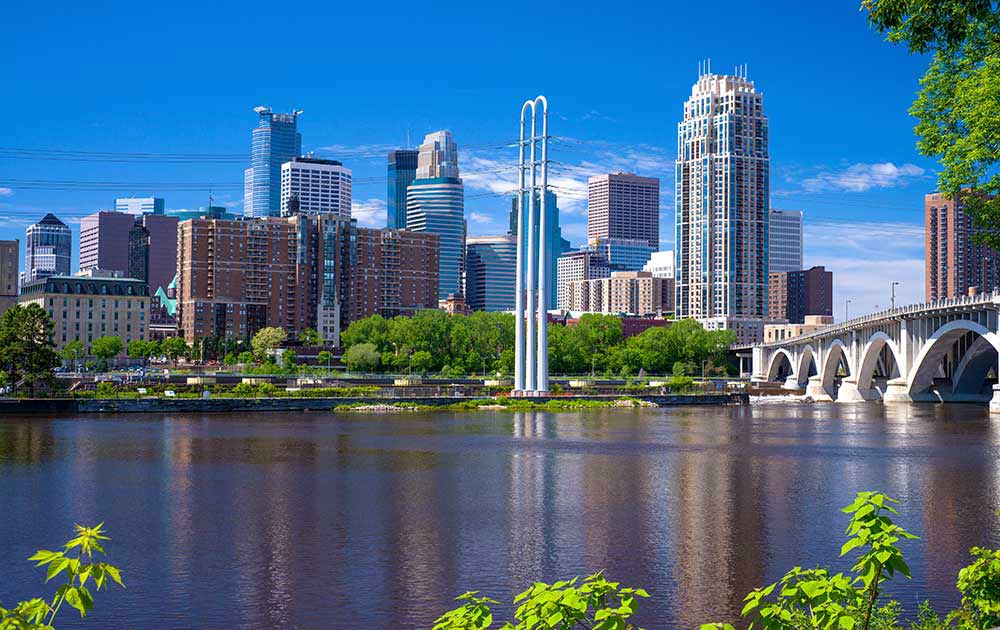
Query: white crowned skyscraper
[[435, 203], [721, 204]]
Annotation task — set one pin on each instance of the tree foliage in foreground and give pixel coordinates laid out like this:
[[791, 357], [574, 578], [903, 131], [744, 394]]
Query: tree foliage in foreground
[[80, 573], [26, 347], [958, 106]]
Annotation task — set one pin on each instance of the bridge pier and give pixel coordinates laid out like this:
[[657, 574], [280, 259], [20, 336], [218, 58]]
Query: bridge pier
[[896, 391], [792, 382], [995, 401], [816, 391], [849, 392]]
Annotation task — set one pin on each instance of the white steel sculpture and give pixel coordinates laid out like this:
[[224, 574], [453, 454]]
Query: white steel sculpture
[[531, 327]]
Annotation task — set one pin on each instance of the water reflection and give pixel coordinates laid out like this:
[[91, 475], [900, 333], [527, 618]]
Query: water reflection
[[325, 521]]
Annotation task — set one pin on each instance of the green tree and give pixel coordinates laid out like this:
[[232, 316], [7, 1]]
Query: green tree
[[362, 357], [267, 339], [288, 360], [174, 348], [142, 350], [245, 358], [26, 347], [958, 106], [309, 337], [72, 351], [421, 362], [106, 348], [76, 563], [324, 358]]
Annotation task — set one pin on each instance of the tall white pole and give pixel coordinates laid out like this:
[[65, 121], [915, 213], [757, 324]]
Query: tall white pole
[[519, 272], [530, 363], [542, 384]]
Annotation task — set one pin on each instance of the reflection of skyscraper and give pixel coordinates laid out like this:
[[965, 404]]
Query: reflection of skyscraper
[[435, 203], [276, 140], [49, 248], [402, 170]]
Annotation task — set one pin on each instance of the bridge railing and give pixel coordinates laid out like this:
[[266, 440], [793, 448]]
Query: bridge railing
[[991, 297]]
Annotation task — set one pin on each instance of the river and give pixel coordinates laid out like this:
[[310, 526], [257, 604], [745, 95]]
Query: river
[[323, 520]]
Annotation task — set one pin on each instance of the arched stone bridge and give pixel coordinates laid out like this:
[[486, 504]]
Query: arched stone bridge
[[939, 351]]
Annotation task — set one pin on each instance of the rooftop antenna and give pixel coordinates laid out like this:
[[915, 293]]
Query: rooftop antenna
[[407, 137], [210, 200]]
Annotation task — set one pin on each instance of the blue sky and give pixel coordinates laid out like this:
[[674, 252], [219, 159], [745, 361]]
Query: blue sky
[[184, 78]]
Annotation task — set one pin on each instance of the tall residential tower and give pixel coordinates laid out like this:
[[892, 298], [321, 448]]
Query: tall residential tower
[[435, 203], [721, 205], [954, 262], [276, 140]]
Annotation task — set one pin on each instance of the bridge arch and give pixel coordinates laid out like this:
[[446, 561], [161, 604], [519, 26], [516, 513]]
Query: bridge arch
[[806, 366], [780, 358], [873, 351], [927, 365], [835, 355]]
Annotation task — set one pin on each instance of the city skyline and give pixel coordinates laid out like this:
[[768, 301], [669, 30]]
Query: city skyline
[[845, 173]]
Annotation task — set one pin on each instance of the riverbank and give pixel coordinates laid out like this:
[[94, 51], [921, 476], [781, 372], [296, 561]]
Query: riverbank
[[355, 404]]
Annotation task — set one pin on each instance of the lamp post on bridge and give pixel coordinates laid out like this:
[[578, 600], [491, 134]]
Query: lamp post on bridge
[[892, 291], [847, 303]]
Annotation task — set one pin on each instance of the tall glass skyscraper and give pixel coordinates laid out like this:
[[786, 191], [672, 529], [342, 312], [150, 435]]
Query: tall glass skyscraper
[[721, 204], [784, 240], [557, 245], [435, 203], [48, 249], [276, 140], [401, 172], [491, 262]]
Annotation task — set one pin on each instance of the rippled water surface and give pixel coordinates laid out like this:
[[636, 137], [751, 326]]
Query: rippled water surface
[[319, 520]]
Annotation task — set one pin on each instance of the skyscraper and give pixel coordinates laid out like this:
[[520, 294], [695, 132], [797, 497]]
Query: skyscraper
[[402, 170], [721, 205], [104, 241], [784, 241], [435, 203], [48, 249], [490, 265], [161, 249], [276, 140], [393, 272], [953, 261], [314, 186], [794, 295], [10, 257], [140, 205], [575, 266], [557, 245], [624, 205], [627, 254]]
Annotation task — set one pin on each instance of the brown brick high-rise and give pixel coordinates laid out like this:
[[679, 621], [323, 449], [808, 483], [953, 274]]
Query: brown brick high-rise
[[953, 262], [394, 273]]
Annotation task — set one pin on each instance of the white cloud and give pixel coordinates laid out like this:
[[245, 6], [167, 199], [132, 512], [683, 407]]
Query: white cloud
[[862, 177], [865, 258], [478, 217], [6, 192], [369, 213]]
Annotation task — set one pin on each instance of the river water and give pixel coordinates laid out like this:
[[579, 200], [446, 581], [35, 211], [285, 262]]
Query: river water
[[320, 520]]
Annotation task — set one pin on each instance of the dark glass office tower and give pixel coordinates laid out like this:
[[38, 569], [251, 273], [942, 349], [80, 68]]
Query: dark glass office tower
[[276, 140], [402, 170]]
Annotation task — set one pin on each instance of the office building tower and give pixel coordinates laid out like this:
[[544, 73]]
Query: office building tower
[[138, 253], [104, 240], [624, 205], [623, 293], [140, 205], [276, 140], [661, 264], [91, 305], [161, 265], [203, 212], [393, 272], [48, 249], [557, 245], [784, 240], [794, 295], [10, 258], [576, 266], [314, 186], [490, 266], [721, 206], [435, 203], [953, 262], [402, 170], [628, 254]]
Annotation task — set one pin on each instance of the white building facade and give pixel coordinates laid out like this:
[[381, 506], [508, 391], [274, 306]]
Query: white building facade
[[314, 186], [722, 203]]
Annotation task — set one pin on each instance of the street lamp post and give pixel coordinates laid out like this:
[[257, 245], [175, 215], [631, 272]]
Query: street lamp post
[[892, 292], [847, 303], [593, 368]]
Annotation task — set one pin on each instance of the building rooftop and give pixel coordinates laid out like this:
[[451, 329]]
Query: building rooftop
[[51, 219]]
